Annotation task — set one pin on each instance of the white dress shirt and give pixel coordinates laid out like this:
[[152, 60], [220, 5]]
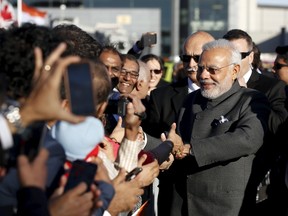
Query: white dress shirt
[[192, 86]]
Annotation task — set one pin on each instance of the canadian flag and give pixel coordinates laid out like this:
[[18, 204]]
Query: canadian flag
[[7, 14], [33, 15]]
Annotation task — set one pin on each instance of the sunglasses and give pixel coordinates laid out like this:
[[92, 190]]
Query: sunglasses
[[278, 66], [187, 58], [156, 71], [244, 54]]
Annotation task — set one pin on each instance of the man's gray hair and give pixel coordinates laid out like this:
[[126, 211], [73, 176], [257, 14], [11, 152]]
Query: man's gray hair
[[144, 71], [225, 44]]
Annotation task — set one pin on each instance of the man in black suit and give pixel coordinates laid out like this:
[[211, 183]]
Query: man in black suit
[[275, 92], [165, 102], [272, 88]]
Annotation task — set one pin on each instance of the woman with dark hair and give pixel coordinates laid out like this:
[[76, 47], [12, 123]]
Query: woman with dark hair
[[156, 66]]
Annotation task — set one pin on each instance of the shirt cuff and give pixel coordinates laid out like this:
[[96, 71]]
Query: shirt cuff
[[5, 134]]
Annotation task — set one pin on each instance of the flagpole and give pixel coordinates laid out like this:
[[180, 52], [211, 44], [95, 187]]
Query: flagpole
[[19, 12]]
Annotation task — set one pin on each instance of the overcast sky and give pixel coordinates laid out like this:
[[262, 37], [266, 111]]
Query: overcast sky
[[274, 2]]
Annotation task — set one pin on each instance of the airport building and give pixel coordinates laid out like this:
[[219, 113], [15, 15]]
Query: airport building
[[172, 20]]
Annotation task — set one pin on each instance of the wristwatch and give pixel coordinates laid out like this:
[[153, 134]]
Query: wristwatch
[[12, 113]]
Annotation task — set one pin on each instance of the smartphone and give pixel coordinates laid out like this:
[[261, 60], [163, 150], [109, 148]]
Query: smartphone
[[28, 142], [79, 89], [81, 171], [131, 175], [148, 39]]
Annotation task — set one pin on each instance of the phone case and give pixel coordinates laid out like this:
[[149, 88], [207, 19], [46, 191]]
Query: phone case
[[81, 171], [131, 175], [79, 89]]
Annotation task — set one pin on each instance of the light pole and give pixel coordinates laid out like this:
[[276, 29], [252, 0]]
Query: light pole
[[175, 7]]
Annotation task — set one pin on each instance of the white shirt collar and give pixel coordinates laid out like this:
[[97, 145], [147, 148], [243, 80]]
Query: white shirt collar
[[247, 75], [192, 86]]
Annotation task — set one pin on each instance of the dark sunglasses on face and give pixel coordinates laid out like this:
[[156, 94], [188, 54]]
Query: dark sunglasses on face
[[244, 54], [156, 71], [278, 66], [187, 58]]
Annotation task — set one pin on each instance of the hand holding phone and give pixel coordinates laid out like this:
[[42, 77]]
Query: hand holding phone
[[131, 175], [81, 171]]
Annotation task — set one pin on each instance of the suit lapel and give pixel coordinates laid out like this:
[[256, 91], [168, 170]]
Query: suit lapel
[[252, 82], [178, 97]]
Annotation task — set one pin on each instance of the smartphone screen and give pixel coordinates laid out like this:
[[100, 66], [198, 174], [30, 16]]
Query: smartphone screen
[[79, 89], [81, 171]]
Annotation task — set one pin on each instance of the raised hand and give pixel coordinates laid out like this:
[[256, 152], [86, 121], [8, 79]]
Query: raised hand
[[44, 101]]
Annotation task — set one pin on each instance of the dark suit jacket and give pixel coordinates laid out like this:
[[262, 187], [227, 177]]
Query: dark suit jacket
[[215, 179], [274, 90], [267, 156], [164, 105]]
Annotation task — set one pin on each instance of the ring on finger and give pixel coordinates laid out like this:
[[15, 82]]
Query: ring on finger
[[47, 67]]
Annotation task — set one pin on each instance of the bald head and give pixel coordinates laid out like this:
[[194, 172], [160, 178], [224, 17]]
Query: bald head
[[194, 43], [192, 50]]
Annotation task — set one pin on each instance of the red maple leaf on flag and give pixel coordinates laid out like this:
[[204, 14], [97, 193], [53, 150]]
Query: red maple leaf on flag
[[6, 13]]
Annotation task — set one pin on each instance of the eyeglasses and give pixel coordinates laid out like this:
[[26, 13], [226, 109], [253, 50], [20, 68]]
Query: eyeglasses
[[212, 70], [187, 58], [278, 66], [156, 71], [133, 74], [244, 54]]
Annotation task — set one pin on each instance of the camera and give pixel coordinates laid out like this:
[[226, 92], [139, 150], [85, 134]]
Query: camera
[[117, 106], [122, 104]]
